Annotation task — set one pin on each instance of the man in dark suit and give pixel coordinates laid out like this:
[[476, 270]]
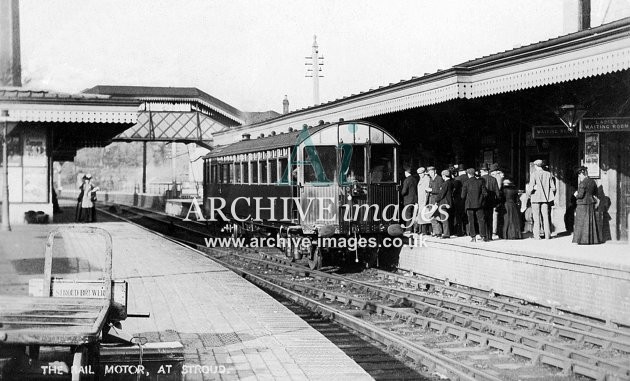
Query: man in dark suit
[[409, 193], [434, 190], [458, 213], [440, 222], [491, 200], [473, 194]]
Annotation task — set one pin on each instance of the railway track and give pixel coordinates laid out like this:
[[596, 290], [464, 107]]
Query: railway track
[[480, 342], [370, 354], [445, 330]]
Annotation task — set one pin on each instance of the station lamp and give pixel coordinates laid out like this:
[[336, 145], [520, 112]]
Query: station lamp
[[570, 115]]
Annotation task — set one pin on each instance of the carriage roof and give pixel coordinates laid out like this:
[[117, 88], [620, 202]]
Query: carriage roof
[[290, 139]]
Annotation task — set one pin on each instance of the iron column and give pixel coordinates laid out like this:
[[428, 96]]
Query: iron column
[[6, 225]]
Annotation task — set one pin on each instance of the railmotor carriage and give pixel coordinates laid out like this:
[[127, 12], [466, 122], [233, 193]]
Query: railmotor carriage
[[333, 180]]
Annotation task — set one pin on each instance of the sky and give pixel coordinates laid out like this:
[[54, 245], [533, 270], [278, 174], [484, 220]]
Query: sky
[[251, 53]]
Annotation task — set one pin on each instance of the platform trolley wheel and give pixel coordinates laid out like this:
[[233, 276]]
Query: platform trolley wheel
[[315, 258]]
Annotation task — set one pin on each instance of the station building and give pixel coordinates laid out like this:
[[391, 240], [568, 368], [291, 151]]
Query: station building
[[45, 126], [564, 100]]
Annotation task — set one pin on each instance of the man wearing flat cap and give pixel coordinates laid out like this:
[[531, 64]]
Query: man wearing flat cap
[[435, 183], [457, 211], [542, 192], [409, 193], [440, 222], [473, 194]]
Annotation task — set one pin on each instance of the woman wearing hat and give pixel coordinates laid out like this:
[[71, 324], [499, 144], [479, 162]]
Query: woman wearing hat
[[86, 208], [511, 215], [586, 231], [424, 224]]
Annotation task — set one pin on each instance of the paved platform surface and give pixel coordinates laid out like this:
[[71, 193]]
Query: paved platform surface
[[590, 279], [219, 317], [611, 254]]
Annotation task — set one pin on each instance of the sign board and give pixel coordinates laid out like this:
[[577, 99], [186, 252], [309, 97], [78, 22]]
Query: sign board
[[91, 289], [605, 125], [78, 289], [553, 132], [591, 154]]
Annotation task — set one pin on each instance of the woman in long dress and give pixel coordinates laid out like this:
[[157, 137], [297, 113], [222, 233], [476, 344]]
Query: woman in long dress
[[85, 202], [586, 230], [511, 213], [424, 224]]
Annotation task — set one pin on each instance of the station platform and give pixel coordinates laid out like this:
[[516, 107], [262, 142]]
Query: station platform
[[220, 318], [590, 279]]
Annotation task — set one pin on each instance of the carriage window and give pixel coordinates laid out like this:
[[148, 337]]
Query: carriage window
[[213, 174], [245, 172], [263, 171], [324, 155], [254, 167], [226, 170], [356, 172], [382, 164], [237, 173], [273, 171], [284, 162]]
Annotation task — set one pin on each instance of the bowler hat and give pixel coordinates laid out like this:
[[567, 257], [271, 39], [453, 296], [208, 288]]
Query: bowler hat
[[431, 168], [484, 167], [421, 170], [407, 168], [494, 167]]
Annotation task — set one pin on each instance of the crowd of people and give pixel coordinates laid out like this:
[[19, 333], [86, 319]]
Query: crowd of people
[[485, 203]]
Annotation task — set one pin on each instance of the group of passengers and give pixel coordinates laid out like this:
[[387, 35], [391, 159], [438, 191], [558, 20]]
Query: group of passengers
[[484, 202]]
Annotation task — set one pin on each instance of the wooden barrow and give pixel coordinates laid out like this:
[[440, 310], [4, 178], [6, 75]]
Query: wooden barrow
[[70, 314]]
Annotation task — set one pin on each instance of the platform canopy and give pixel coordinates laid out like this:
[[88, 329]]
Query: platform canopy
[[75, 120], [180, 114], [588, 53]]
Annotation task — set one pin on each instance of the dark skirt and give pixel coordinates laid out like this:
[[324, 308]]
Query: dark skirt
[[511, 222], [585, 229]]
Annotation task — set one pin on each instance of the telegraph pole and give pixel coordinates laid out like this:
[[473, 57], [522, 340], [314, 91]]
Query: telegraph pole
[[6, 225], [314, 70]]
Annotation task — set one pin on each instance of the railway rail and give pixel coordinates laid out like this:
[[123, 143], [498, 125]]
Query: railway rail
[[370, 354], [460, 333]]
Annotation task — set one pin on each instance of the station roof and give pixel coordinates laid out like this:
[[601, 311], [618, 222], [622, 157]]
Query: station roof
[[78, 120], [183, 94], [595, 51], [27, 105]]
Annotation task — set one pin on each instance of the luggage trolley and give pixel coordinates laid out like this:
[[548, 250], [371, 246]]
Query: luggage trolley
[[73, 316]]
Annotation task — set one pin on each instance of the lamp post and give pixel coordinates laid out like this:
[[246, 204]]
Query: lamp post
[[6, 225], [570, 115]]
